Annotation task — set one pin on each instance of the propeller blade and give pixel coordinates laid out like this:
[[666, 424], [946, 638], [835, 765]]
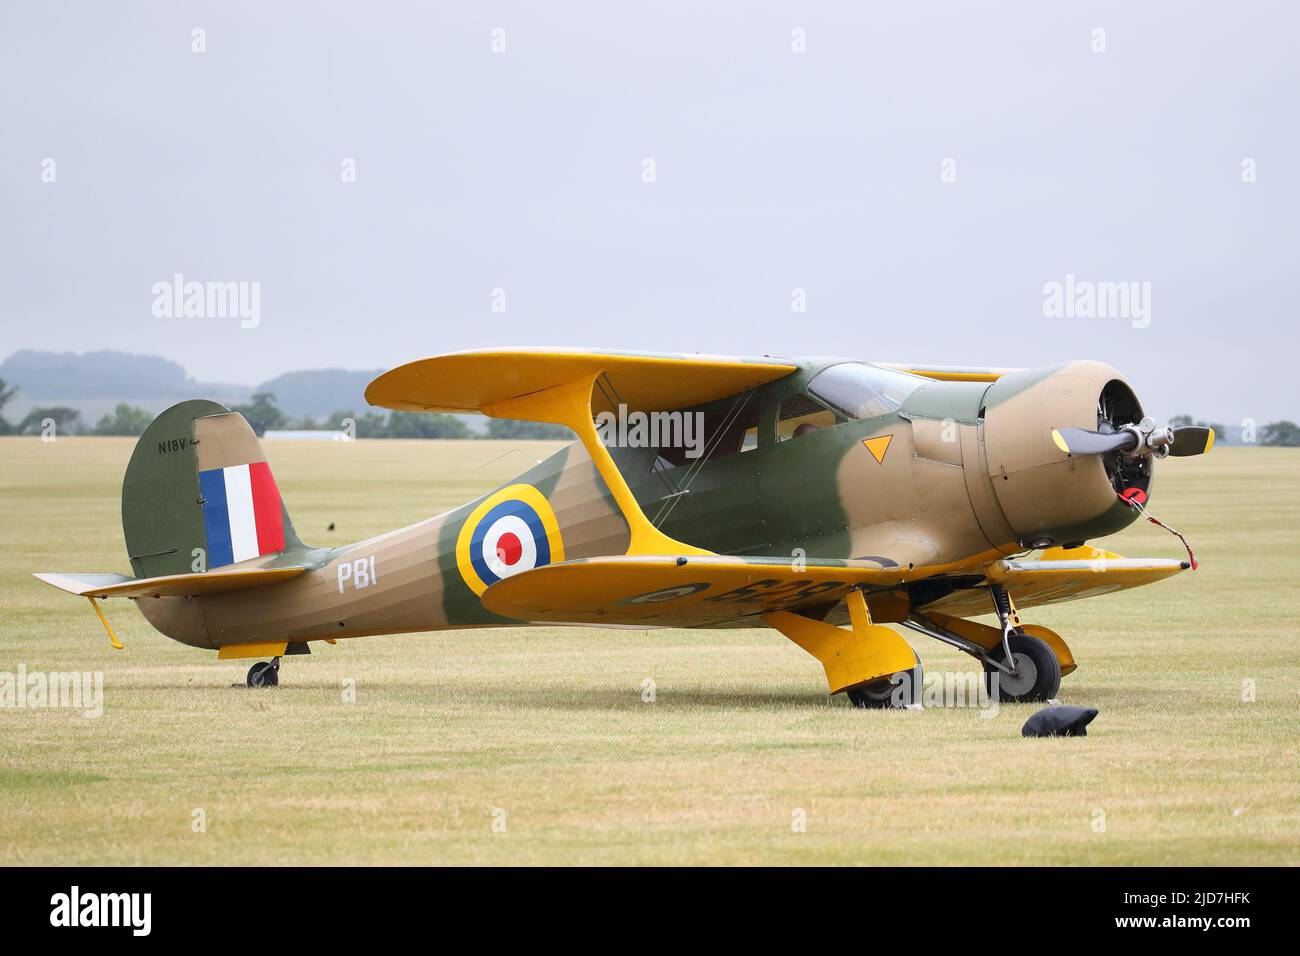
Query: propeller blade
[[1080, 441], [1191, 440]]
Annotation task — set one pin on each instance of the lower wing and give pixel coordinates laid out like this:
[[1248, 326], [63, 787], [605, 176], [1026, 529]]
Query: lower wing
[[1060, 576], [668, 591]]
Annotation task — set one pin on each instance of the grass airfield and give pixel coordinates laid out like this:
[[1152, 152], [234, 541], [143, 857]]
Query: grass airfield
[[533, 745]]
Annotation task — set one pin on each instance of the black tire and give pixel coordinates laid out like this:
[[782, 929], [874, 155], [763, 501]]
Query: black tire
[[898, 690], [264, 674], [1039, 671]]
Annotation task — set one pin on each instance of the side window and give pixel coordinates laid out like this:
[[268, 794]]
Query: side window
[[800, 415], [725, 431]]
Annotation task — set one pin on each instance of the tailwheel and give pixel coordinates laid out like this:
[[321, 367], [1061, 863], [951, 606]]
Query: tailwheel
[[1035, 670], [265, 674], [899, 690]]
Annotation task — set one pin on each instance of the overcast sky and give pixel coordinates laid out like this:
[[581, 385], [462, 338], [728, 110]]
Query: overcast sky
[[773, 170]]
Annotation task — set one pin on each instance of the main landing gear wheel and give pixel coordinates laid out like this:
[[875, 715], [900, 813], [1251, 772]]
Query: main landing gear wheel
[[264, 674], [900, 690], [1037, 672]]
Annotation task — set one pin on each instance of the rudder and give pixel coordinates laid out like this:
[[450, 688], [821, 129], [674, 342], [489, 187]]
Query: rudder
[[199, 494]]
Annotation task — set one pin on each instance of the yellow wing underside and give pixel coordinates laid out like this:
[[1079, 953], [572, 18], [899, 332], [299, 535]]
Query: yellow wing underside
[[715, 591], [665, 591], [481, 381], [1035, 583]]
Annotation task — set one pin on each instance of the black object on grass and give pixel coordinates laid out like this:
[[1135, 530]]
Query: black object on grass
[[1059, 722]]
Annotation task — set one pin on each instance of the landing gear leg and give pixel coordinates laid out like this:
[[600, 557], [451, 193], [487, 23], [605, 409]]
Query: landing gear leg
[[1008, 619], [1012, 654], [265, 673], [1023, 667]]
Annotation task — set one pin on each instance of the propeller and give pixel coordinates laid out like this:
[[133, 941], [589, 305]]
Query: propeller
[[1144, 438], [1191, 440]]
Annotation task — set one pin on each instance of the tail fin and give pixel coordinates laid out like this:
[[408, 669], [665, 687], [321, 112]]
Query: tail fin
[[199, 494]]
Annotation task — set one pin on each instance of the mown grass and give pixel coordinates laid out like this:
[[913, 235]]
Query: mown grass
[[548, 727]]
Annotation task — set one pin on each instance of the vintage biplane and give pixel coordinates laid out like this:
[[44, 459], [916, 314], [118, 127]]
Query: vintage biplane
[[823, 498]]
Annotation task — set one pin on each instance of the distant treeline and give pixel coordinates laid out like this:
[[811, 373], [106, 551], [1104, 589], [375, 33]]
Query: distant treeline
[[265, 415]]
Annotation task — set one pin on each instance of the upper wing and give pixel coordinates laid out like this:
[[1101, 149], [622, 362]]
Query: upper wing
[[476, 381], [572, 388], [168, 585], [952, 373], [682, 592]]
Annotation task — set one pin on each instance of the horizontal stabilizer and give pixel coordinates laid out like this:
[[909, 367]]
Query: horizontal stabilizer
[[168, 585], [677, 591]]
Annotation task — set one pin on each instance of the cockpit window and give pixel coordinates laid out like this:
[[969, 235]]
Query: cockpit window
[[858, 390], [800, 415]]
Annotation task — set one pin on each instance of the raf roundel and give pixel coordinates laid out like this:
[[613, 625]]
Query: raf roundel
[[511, 531]]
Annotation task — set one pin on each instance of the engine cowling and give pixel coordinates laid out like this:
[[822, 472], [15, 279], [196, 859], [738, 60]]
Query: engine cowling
[[1048, 496]]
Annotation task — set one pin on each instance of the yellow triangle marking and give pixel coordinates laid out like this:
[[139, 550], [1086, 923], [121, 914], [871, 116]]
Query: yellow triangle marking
[[878, 447]]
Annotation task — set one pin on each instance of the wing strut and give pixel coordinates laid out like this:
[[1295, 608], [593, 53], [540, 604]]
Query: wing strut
[[570, 404]]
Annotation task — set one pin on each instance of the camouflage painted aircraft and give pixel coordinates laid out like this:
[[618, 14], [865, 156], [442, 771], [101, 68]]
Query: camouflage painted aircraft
[[823, 498]]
